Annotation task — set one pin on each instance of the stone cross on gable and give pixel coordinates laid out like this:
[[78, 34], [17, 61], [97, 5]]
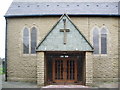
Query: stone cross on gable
[[65, 31]]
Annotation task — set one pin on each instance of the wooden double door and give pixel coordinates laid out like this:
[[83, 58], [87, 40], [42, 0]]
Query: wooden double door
[[64, 70]]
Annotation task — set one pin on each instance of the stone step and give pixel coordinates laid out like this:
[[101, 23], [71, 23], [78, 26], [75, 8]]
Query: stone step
[[64, 86]]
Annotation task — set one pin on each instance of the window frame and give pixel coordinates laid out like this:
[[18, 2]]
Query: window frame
[[29, 31], [31, 39], [99, 29], [106, 40], [93, 31], [28, 40]]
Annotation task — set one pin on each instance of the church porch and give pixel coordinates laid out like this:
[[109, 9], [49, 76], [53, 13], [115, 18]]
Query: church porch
[[64, 56], [49, 62]]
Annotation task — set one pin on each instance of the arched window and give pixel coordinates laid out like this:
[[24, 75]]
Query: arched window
[[33, 40], [26, 41], [103, 41], [96, 41]]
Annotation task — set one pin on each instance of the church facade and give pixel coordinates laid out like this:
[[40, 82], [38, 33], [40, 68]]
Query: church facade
[[62, 43]]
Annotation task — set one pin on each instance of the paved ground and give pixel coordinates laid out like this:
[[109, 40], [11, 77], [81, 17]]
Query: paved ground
[[34, 85], [18, 85], [109, 85]]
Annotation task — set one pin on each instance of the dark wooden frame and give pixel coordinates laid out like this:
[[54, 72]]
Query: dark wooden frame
[[65, 73]]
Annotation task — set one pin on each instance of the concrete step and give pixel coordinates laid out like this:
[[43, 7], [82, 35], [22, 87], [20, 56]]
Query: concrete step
[[66, 87]]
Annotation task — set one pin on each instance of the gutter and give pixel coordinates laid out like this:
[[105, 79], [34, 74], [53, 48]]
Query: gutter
[[37, 15]]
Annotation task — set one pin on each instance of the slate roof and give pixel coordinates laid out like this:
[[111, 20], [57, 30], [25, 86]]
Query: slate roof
[[54, 40], [59, 8]]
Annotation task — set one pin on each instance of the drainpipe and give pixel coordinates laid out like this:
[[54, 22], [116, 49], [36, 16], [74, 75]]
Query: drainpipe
[[6, 51]]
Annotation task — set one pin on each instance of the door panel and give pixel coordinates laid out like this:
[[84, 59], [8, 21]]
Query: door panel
[[58, 69], [71, 70], [64, 70]]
